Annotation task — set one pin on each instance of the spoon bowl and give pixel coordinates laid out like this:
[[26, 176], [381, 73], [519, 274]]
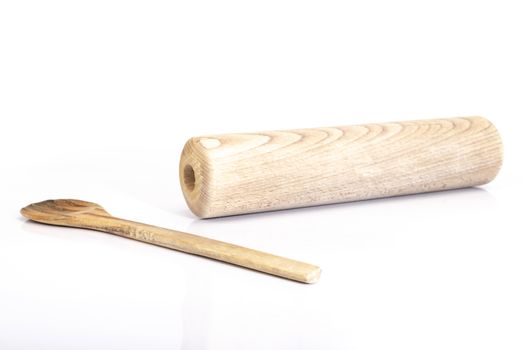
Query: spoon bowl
[[61, 211]]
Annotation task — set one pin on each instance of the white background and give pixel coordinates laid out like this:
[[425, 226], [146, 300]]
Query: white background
[[98, 97]]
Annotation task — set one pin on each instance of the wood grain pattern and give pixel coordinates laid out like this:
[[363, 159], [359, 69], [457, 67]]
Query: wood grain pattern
[[245, 173], [76, 213]]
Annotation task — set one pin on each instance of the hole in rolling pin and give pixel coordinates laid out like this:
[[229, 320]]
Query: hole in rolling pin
[[189, 177]]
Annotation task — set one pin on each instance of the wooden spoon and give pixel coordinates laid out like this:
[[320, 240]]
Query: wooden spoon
[[81, 214]]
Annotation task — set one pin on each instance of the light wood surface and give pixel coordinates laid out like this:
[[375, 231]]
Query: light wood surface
[[76, 213], [252, 172]]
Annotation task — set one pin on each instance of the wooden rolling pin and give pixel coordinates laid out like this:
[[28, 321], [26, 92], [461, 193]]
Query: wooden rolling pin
[[252, 172]]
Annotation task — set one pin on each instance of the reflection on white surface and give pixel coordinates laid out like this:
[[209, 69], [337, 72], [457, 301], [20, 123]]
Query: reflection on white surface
[[410, 266]]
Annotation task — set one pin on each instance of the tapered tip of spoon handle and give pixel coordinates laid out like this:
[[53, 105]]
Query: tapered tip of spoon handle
[[313, 276]]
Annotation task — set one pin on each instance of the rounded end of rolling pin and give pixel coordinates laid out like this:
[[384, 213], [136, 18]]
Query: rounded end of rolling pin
[[493, 147], [499, 142], [194, 173]]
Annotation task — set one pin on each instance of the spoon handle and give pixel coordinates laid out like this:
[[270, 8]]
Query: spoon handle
[[210, 248]]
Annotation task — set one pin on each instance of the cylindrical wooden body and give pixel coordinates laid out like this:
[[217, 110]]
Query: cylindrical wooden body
[[252, 172]]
